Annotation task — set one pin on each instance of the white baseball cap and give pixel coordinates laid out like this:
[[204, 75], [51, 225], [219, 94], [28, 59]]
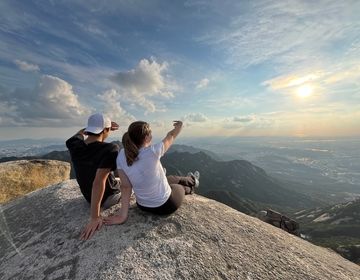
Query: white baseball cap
[[97, 123]]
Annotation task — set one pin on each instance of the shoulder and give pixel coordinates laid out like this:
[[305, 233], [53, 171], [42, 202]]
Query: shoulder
[[121, 159], [121, 153], [158, 149], [74, 140], [111, 147]]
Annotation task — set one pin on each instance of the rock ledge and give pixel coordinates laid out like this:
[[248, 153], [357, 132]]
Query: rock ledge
[[202, 240]]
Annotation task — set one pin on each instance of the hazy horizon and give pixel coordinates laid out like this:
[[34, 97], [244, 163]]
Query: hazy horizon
[[234, 68], [189, 139]]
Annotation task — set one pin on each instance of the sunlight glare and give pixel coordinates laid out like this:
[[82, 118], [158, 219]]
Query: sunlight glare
[[304, 91]]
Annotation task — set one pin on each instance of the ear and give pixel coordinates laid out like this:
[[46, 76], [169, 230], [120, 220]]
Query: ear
[[148, 138]]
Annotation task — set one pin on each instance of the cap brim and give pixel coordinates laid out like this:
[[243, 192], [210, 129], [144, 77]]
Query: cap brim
[[95, 130]]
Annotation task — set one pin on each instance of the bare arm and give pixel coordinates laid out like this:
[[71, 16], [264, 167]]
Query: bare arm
[[126, 189], [81, 131], [171, 135], [97, 194]]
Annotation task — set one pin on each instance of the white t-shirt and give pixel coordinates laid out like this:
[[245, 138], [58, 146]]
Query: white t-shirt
[[147, 176]]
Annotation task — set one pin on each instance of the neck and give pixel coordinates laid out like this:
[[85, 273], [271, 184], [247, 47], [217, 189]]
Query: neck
[[93, 138], [146, 144]]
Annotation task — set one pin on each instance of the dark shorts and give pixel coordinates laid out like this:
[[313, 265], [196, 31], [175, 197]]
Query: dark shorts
[[179, 187], [170, 206]]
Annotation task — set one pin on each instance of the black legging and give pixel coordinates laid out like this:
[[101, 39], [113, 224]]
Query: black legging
[[180, 186]]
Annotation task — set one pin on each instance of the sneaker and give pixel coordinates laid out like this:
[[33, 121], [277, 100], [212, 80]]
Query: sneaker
[[196, 176]]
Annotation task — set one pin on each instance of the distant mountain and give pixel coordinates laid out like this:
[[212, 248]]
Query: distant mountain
[[307, 179], [28, 141], [29, 147], [336, 226], [235, 182], [192, 150]]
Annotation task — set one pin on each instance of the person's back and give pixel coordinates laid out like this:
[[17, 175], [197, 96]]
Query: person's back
[[93, 161], [87, 158], [147, 175], [140, 169]]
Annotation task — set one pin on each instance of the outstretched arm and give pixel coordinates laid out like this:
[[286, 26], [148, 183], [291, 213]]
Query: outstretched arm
[[97, 194], [81, 132], [126, 189], [171, 135]]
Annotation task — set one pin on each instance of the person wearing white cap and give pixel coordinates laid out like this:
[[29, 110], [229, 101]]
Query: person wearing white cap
[[93, 161]]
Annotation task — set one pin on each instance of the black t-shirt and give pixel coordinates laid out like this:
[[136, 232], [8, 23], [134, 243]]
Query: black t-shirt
[[87, 158]]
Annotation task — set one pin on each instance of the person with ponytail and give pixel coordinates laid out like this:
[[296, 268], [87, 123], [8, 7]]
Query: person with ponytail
[[140, 169]]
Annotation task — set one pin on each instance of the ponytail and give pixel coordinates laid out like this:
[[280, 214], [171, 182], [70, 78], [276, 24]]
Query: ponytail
[[133, 140], [131, 150]]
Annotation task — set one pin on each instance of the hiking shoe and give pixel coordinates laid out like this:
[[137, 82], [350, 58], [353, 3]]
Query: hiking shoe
[[196, 176]]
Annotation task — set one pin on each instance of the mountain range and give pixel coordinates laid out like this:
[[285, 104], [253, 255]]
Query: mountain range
[[336, 226], [237, 183]]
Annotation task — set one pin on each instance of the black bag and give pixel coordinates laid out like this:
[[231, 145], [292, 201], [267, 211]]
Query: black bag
[[278, 220]]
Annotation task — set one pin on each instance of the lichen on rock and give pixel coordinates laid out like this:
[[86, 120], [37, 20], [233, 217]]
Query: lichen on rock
[[23, 176]]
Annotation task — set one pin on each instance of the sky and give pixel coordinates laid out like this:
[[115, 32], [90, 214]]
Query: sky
[[225, 68]]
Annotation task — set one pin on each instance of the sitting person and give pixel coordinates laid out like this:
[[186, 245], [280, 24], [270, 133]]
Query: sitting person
[[93, 161], [140, 169]]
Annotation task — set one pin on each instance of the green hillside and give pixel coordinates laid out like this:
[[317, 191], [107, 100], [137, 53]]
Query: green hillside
[[229, 181], [337, 227]]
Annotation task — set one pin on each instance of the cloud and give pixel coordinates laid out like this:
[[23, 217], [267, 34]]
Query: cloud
[[25, 66], [142, 85], [51, 103], [340, 82], [202, 83], [245, 119], [113, 108], [287, 81], [290, 33], [195, 117]]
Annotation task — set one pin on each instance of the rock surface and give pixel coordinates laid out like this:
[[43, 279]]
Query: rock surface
[[202, 240], [23, 176]]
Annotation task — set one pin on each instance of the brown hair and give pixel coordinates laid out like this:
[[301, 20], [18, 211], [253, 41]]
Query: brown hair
[[133, 139]]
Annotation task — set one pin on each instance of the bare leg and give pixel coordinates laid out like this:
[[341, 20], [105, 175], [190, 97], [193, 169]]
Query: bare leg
[[186, 182], [172, 179], [177, 194]]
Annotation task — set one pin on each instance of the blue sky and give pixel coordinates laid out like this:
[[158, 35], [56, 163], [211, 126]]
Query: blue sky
[[226, 68]]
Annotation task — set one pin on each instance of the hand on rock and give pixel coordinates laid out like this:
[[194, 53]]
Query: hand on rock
[[89, 230]]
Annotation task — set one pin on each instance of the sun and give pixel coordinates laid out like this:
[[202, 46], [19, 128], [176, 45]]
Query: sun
[[304, 91]]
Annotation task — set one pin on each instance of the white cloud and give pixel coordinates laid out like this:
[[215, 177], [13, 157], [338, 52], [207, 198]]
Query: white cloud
[[339, 82], [113, 108], [288, 32], [203, 83], [142, 85], [195, 117], [25, 66], [51, 103], [244, 119], [292, 80]]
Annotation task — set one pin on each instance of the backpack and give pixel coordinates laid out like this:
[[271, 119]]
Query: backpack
[[278, 220]]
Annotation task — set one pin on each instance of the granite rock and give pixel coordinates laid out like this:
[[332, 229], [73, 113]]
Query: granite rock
[[23, 176], [204, 239]]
